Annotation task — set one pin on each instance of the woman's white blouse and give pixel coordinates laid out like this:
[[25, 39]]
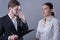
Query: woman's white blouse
[[49, 30]]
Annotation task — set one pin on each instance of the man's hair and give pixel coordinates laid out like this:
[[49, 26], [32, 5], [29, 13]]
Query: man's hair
[[13, 3]]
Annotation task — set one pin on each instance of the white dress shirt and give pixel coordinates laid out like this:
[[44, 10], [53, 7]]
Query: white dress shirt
[[48, 30]]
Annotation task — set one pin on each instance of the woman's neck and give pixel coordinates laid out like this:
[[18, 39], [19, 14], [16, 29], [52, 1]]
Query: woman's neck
[[47, 18]]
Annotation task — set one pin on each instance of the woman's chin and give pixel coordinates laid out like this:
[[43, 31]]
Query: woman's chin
[[44, 15]]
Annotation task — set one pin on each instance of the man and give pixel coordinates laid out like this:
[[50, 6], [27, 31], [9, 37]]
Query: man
[[13, 24]]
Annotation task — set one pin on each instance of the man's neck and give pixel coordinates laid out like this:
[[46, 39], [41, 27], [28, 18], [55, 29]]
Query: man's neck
[[11, 15]]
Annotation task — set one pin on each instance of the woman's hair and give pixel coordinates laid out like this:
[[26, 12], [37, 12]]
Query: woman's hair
[[13, 3], [50, 5]]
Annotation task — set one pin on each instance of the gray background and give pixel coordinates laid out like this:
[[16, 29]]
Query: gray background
[[32, 10]]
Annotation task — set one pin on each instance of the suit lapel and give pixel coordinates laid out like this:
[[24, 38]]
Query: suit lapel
[[11, 24]]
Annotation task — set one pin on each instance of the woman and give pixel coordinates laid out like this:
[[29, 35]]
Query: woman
[[48, 27]]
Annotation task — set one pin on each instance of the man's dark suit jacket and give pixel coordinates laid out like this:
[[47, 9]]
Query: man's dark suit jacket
[[7, 28]]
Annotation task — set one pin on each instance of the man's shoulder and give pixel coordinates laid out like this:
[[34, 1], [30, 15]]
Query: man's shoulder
[[4, 17]]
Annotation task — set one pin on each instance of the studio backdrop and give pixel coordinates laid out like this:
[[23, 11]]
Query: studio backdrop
[[32, 9]]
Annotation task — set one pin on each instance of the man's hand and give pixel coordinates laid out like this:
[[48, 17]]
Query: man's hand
[[13, 37], [21, 15]]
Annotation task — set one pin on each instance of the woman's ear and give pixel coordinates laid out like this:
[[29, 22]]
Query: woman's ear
[[52, 10]]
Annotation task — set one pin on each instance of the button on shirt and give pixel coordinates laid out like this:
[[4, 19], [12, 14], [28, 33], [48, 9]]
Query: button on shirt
[[48, 30]]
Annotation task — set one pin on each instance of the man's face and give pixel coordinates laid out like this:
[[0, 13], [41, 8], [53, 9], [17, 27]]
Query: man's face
[[15, 10]]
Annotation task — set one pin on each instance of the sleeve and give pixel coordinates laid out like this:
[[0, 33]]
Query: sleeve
[[56, 31], [23, 24], [2, 35], [24, 28], [37, 33]]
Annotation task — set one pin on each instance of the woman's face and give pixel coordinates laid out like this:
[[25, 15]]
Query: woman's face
[[46, 10]]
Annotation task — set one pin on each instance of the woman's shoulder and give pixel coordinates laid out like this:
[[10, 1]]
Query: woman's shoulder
[[55, 20]]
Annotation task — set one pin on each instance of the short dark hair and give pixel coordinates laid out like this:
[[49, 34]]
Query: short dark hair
[[13, 3]]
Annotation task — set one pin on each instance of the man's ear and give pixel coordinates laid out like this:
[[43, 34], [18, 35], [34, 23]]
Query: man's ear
[[10, 8]]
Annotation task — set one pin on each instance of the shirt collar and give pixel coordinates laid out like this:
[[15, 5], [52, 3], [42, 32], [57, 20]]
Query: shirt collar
[[11, 17], [49, 19]]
